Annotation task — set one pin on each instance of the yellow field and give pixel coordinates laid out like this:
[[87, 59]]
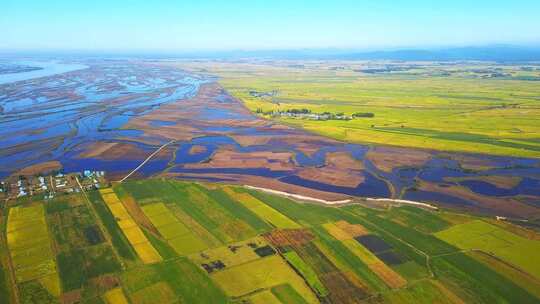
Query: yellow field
[[106, 191], [353, 230], [51, 282], [109, 197], [242, 254], [115, 296], [126, 223], [29, 244], [181, 239], [119, 211], [259, 274], [135, 235], [337, 232], [362, 252], [152, 210], [144, 249], [147, 253], [264, 297], [264, 211]]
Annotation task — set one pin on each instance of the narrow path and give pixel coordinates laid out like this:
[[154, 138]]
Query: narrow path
[[146, 160], [104, 230]]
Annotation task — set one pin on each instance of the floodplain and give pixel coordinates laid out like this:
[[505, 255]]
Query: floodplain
[[113, 116]]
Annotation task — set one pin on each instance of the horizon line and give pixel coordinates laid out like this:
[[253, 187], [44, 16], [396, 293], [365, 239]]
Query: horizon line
[[531, 45]]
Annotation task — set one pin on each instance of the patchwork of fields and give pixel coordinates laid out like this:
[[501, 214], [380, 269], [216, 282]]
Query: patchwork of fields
[[32, 258], [209, 243], [130, 229], [434, 106]]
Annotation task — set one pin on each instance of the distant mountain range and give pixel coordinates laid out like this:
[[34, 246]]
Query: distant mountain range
[[486, 53], [496, 53], [499, 53]]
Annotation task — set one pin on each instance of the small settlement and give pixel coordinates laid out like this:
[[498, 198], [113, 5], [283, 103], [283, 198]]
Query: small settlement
[[48, 186]]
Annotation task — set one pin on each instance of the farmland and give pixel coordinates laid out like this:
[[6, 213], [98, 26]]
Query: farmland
[[479, 235], [282, 251], [29, 243], [449, 107]]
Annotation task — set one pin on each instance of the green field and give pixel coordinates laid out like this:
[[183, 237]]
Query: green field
[[425, 292], [76, 249], [181, 239], [449, 108], [472, 281], [511, 248], [286, 294], [263, 273], [307, 272]]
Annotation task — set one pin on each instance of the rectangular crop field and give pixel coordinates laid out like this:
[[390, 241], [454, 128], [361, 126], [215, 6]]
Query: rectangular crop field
[[319, 270], [264, 297], [181, 239], [224, 197], [262, 273], [228, 227], [269, 214], [142, 246], [159, 292], [232, 254], [188, 282], [172, 281], [346, 261], [115, 296], [514, 249], [29, 243], [385, 273], [307, 272], [286, 294], [423, 292]]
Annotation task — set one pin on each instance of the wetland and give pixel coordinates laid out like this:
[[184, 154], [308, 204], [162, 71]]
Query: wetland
[[111, 115]]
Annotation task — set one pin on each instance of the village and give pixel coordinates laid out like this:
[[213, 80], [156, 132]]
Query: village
[[307, 114], [50, 185]]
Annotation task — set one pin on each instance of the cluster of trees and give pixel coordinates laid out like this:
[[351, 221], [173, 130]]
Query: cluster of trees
[[361, 114], [307, 113], [288, 111]]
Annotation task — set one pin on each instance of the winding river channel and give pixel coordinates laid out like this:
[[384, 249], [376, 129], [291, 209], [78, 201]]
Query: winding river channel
[[110, 115]]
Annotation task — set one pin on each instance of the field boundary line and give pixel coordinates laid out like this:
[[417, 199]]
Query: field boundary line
[[427, 256], [490, 255], [146, 160], [10, 267], [101, 226]]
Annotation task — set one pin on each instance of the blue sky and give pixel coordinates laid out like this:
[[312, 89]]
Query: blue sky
[[171, 25]]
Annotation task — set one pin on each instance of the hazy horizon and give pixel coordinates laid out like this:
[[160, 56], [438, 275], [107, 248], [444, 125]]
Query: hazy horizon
[[161, 26]]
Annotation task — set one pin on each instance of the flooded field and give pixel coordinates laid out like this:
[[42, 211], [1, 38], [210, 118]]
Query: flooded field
[[111, 115]]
